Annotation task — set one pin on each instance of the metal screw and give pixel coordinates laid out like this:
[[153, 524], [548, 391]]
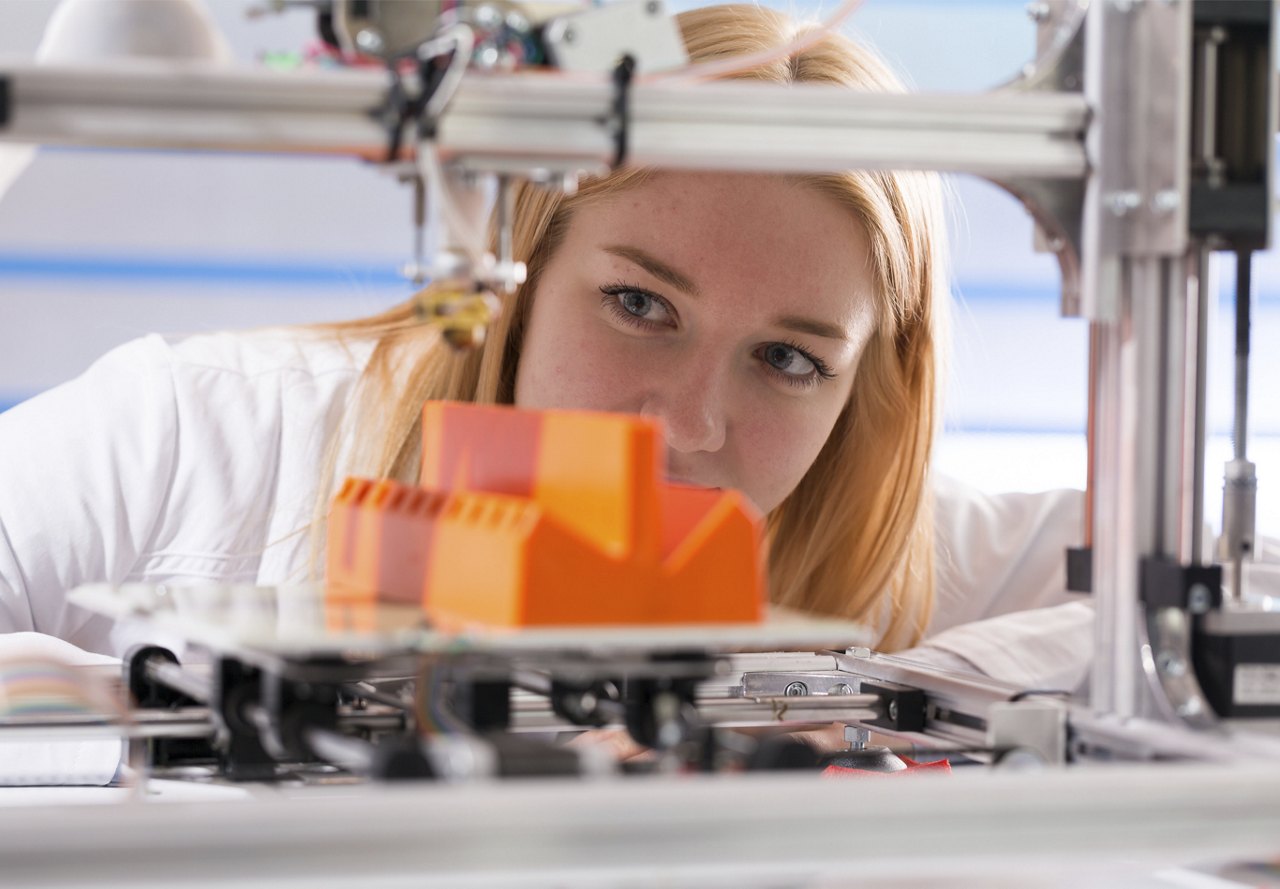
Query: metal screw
[[369, 41], [796, 689], [839, 689], [568, 35], [856, 736], [893, 711], [1170, 664], [653, 7], [1038, 12], [1166, 201], [1199, 598], [1122, 203]]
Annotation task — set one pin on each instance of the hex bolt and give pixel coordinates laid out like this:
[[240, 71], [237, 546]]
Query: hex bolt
[[1122, 203], [1166, 201], [369, 41], [1190, 707], [1199, 599], [856, 736], [796, 689]]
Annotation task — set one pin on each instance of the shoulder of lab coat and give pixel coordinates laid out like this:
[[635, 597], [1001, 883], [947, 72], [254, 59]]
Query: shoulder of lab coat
[[1002, 607], [165, 462]]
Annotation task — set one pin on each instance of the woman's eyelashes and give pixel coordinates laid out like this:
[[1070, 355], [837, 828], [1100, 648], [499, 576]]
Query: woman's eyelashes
[[637, 307], [788, 362]]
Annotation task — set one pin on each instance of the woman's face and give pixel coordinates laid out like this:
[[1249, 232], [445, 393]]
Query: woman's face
[[733, 307]]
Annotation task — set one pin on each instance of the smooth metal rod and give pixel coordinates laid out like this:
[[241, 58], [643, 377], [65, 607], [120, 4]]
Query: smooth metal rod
[[1198, 327], [180, 679], [1244, 287], [344, 751], [186, 722]]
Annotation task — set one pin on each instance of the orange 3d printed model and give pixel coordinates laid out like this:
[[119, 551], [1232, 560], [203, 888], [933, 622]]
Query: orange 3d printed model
[[526, 518]]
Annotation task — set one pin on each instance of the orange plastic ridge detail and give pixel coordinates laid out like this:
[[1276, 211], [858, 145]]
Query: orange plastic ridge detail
[[526, 518]]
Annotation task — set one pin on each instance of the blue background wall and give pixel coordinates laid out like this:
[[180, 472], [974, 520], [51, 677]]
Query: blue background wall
[[97, 247]]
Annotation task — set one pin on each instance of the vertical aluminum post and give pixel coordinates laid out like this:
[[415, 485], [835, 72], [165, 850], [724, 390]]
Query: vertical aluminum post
[[1138, 290]]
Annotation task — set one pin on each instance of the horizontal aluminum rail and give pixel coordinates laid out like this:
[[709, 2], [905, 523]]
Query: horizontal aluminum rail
[[563, 123]]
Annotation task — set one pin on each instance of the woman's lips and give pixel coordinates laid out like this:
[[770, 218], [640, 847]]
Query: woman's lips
[[676, 480]]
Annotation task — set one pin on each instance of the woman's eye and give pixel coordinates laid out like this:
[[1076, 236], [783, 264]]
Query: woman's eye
[[789, 360], [793, 365], [638, 307], [637, 304]]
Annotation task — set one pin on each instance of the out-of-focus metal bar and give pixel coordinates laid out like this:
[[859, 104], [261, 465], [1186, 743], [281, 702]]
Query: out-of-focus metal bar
[[1200, 297], [1091, 433], [180, 679], [141, 104], [518, 122], [766, 127], [1137, 78], [787, 709], [187, 722], [353, 754]]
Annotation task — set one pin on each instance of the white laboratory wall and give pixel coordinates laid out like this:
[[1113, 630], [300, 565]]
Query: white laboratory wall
[[97, 247]]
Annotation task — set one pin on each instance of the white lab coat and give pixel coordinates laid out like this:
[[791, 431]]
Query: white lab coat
[[198, 461]]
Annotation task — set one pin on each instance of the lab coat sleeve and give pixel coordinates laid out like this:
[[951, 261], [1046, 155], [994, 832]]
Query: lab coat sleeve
[[1001, 604], [85, 475]]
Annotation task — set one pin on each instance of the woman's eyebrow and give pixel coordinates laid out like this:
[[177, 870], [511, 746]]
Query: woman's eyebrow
[[813, 326], [655, 267]]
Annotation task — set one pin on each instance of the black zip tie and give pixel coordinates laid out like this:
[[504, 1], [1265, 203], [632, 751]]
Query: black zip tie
[[401, 109], [394, 113], [623, 75]]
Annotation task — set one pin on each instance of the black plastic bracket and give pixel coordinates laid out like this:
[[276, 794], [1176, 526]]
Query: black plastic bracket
[[1166, 584], [292, 707], [483, 704], [904, 706], [236, 690], [146, 693], [1080, 569]]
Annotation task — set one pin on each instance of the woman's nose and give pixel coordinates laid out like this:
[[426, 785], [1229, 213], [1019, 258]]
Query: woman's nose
[[692, 413]]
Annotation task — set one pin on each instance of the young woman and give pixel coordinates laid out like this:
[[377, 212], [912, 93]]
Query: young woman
[[786, 329]]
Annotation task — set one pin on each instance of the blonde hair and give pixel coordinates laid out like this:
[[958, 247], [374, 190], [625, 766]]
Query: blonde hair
[[858, 527]]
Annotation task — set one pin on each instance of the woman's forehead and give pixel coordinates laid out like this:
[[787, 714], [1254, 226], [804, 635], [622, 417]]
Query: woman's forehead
[[732, 230]]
